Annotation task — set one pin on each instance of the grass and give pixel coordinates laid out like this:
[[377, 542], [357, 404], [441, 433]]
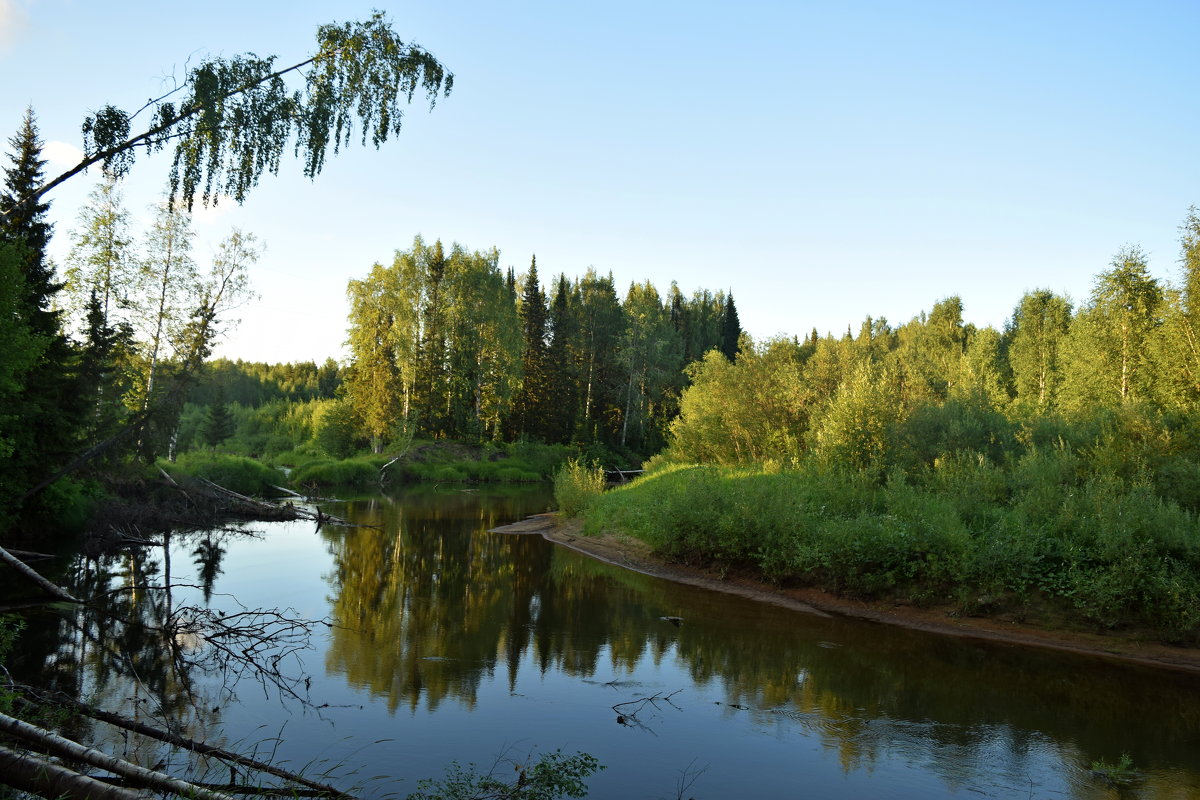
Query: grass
[[239, 474], [576, 485], [967, 532]]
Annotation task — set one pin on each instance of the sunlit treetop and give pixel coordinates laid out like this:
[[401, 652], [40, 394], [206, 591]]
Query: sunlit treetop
[[232, 119]]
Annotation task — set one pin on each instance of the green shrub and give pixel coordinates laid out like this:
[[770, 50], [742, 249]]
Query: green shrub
[[576, 484], [239, 474], [353, 472]]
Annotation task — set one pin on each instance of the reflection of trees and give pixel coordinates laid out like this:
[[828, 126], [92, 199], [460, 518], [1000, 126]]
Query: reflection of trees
[[432, 604], [207, 558], [121, 650]]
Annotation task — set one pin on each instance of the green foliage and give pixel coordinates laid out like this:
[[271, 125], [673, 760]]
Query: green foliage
[[334, 429], [576, 485], [1120, 772], [551, 776], [237, 116], [354, 472], [242, 475], [965, 530]]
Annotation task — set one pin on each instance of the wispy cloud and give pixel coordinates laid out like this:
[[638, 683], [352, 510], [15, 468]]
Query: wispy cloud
[[60, 154], [12, 20]]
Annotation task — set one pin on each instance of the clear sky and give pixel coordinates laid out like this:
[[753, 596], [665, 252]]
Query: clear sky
[[824, 161]]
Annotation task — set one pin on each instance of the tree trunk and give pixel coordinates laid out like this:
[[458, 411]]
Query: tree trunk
[[65, 748], [32, 774], [30, 574]]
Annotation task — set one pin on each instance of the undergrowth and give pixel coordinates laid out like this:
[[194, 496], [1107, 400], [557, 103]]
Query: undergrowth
[[964, 531]]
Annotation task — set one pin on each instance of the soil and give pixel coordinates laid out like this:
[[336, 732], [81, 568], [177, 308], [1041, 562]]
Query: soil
[[636, 555]]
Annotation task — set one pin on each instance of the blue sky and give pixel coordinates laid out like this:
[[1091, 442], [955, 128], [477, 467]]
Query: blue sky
[[824, 161]]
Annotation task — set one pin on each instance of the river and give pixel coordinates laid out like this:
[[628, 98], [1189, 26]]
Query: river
[[452, 643]]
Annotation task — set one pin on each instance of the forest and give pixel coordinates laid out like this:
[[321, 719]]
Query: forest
[[1047, 472], [1003, 450]]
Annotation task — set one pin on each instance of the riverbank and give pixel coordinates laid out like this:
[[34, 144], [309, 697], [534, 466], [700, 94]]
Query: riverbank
[[633, 554]]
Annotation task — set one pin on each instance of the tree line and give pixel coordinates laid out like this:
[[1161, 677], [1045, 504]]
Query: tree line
[[446, 343], [1117, 374]]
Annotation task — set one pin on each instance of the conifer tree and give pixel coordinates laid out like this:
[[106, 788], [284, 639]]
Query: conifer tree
[[218, 423], [25, 223], [559, 363], [533, 400], [43, 399], [731, 329]]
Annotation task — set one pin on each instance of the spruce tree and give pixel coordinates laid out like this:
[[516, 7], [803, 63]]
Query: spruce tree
[[25, 223], [731, 329], [46, 402], [533, 401], [218, 424], [560, 373]]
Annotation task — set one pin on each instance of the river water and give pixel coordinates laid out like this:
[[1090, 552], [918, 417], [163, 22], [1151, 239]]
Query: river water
[[452, 643]]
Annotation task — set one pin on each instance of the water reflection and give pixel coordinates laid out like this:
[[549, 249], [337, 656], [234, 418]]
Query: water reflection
[[453, 641], [432, 606]]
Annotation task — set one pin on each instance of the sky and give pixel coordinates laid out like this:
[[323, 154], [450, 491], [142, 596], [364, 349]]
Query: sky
[[822, 161]]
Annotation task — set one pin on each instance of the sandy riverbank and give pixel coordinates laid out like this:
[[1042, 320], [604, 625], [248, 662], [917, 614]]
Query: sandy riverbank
[[633, 554]]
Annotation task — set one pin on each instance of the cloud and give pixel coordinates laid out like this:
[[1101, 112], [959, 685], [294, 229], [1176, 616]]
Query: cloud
[[12, 20], [206, 215], [60, 154]]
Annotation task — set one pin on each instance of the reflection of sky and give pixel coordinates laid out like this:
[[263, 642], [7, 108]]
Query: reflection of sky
[[796, 749]]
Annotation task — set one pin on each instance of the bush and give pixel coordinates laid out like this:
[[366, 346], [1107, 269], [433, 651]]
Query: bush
[[1098, 549], [236, 473], [576, 484], [353, 472]]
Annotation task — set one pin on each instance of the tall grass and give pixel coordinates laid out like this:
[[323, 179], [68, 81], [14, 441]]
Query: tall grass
[[965, 531], [242, 475], [576, 485]]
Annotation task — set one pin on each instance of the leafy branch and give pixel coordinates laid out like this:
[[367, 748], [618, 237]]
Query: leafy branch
[[238, 114]]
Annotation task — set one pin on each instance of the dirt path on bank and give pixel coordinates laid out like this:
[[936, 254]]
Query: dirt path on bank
[[625, 551]]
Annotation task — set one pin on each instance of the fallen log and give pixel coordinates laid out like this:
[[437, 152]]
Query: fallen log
[[31, 575], [58, 698], [318, 515], [30, 773], [65, 748]]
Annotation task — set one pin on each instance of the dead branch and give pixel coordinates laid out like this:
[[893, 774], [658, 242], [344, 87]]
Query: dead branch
[[192, 745], [252, 643], [30, 574], [31, 773], [630, 718], [65, 748], [319, 516]]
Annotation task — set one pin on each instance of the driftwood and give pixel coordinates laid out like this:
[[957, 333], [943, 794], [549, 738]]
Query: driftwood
[[31, 575], [65, 748], [141, 728], [318, 515], [33, 774]]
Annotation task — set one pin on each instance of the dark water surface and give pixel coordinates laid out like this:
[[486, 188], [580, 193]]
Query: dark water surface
[[454, 643]]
